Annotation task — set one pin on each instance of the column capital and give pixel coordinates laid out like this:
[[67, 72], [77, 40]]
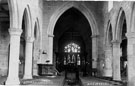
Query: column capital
[[130, 35], [94, 36], [15, 31], [30, 39], [116, 42], [50, 35]]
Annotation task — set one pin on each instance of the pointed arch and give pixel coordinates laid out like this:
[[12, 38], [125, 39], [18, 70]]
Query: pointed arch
[[82, 8], [120, 20], [28, 21], [13, 12], [132, 25], [109, 34], [39, 35], [36, 31]]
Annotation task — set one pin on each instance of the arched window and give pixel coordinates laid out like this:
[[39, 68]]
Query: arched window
[[72, 48]]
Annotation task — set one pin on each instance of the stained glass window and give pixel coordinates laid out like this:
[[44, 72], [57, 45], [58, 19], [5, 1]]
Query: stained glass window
[[72, 48]]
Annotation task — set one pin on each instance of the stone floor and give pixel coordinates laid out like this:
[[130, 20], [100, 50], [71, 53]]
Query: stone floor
[[45, 80], [59, 81], [92, 81]]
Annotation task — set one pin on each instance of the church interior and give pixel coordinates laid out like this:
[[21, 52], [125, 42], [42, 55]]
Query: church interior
[[67, 43]]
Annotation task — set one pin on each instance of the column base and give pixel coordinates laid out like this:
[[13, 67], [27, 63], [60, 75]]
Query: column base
[[131, 83], [35, 72], [107, 73], [117, 79], [27, 77], [12, 81]]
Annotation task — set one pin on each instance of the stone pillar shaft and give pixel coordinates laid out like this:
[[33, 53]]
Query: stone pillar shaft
[[116, 61], [28, 58], [13, 78], [35, 69], [50, 52], [94, 51], [108, 62], [131, 58]]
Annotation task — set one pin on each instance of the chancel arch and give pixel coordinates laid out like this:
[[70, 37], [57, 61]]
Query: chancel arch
[[74, 27], [90, 18], [85, 11]]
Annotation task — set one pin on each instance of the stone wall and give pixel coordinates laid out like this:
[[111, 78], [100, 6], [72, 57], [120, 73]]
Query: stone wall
[[4, 48]]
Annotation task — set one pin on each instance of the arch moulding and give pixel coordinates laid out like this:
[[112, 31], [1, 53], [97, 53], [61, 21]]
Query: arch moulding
[[82, 8], [13, 12], [27, 16], [38, 29], [107, 33], [89, 16], [119, 24]]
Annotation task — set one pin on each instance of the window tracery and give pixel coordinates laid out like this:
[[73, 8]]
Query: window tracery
[[72, 48]]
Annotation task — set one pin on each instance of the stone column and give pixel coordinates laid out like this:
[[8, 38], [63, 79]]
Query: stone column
[[116, 60], [50, 52], [28, 58], [108, 62], [35, 68], [94, 51], [36, 55], [13, 70], [131, 58]]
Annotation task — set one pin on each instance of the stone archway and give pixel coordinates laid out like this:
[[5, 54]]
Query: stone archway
[[119, 25], [27, 36], [118, 39], [82, 8], [15, 32]]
